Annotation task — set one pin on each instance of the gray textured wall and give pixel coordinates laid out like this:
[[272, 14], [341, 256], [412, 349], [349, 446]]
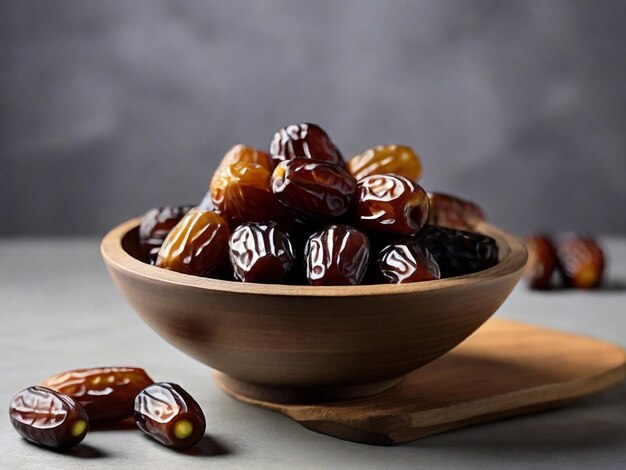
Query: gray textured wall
[[111, 107]]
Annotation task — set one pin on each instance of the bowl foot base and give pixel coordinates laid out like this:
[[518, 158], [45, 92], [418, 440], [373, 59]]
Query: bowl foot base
[[286, 395]]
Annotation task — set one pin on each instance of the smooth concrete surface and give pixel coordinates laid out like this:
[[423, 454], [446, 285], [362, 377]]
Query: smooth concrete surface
[[59, 310]]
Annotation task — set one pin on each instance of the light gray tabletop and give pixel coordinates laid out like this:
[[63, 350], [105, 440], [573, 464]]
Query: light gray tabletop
[[59, 310]]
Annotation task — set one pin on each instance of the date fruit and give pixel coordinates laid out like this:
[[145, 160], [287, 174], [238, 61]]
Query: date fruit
[[154, 227], [170, 415], [581, 261], [542, 262], [406, 261], [197, 245], [313, 189], [48, 418], [241, 193], [454, 212], [458, 252], [336, 255], [243, 153], [260, 252], [398, 159], [391, 203], [304, 140], [106, 393]]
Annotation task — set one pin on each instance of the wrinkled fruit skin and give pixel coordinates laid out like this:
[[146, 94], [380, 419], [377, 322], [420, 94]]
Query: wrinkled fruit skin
[[241, 193], [458, 252], [243, 153], [398, 159], [406, 261], [162, 407], [106, 393], [154, 227], [542, 262], [454, 212], [336, 255], [581, 261], [48, 418], [391, 203], [313, 189], [197, 245], [260, 252], [304, 140]]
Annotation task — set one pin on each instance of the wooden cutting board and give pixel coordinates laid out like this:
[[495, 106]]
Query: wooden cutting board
[[504, 369]]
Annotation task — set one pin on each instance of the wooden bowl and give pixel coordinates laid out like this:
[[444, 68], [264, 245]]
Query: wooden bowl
[[304, 343]]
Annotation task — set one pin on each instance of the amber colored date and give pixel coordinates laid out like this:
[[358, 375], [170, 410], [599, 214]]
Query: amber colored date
[[48, 418], [243, 153], [241, 193], [581, 261], [154, 227], [304, 140], [197, 245], [406, 261], [391, 203], [398, 159], [167, 413], [542, 262], [106, 393], [261, 252], [313, 189], [336, 255], [454, 212]]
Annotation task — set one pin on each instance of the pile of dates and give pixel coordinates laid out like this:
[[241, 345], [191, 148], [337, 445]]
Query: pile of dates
[[58, 413], [577, 260], [301, 214]]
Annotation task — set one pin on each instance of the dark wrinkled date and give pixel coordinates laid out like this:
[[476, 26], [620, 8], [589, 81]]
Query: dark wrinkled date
[[260, 252], [312, 189], [406, 261], [48, 418], [106, 393], [306, 141], [167, 413], [542, 261], [391, 203], [336, 255], [454, 212], [581, 261]]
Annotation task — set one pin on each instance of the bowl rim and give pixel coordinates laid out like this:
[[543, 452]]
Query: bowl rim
[[512, 252]]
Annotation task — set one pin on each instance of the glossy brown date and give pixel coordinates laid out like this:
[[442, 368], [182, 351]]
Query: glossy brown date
[[454, 212], [304, 140], [261, 252], [542, 262], [106, 393], [48, 418], [241, 193], [581, 261], [154, 227], [406, 261], [398, 159], [197, 245], [167, 413], [336, 255], [312, 189], [243, 153], [391, 203]]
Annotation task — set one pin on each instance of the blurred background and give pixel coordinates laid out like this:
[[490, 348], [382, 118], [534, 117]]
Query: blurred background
[[110, 108]]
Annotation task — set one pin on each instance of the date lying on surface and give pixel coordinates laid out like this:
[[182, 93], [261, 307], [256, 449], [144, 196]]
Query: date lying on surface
[[170, 415], [48, 418], [106, 393]]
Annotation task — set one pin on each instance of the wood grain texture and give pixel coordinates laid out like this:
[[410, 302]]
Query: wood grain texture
[[504, 369], [354, 340]]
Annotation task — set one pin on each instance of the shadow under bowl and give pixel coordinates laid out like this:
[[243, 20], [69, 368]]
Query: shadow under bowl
[[288, 343]]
